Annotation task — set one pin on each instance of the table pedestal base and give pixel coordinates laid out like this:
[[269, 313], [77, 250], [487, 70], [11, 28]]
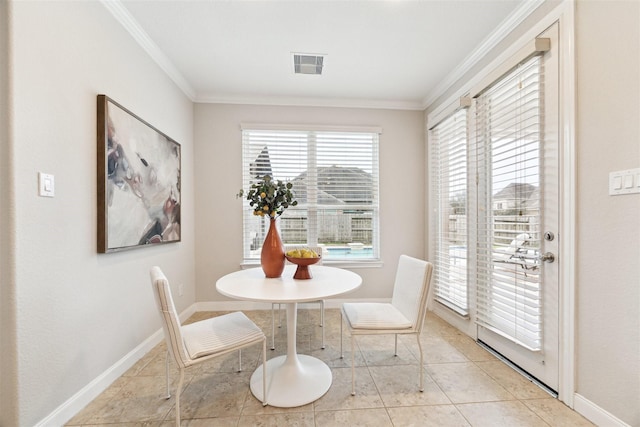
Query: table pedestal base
[[292, 381]]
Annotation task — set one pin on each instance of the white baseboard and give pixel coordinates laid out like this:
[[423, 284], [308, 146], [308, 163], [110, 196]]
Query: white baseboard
[[594, 413], [84, 396], [251, 305]]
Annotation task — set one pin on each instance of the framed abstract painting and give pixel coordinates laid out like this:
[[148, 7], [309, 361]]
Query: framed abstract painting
[[138, 181]]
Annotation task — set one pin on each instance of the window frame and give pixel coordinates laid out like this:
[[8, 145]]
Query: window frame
[[310, 222]]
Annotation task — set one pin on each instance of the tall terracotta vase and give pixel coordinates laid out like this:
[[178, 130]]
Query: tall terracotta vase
[[272, 256]]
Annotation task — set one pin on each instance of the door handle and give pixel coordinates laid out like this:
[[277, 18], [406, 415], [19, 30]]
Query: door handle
[[547, 257]]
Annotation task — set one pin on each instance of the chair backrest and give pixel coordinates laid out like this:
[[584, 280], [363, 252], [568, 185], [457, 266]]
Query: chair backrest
[[169, 317], [411, 289]]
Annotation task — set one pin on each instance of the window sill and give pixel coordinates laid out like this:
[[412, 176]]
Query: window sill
[[464, 314], [246, 264]]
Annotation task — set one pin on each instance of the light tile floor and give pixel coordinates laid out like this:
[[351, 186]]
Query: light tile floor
[[464, 385]]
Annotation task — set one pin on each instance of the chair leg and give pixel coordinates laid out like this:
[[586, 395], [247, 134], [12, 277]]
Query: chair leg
[[341, 352], [421, 364], [353, 366], [273, 327], [264, 372], [322, 321], [178, 392], [395, 352], [166, 371], [273, 324], [240, 360]]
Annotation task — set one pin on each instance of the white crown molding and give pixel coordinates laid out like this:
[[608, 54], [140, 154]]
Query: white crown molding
[[123, 16], [312, 102], [509, 24]]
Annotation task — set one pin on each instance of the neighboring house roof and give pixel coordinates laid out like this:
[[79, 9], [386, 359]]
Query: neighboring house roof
[[516, 191], [337, 185], [262, 165], [534, 199]]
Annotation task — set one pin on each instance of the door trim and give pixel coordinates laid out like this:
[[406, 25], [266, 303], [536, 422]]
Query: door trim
[[567, 303]]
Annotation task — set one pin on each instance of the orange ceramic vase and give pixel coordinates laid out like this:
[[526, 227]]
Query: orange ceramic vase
[[272, 255]]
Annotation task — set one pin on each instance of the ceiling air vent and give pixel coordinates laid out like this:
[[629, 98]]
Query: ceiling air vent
[[307, 63]]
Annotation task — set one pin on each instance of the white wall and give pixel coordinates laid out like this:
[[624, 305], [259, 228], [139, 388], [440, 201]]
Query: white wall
[[219, 177], [608, 227], [8, 379], [78, 312]]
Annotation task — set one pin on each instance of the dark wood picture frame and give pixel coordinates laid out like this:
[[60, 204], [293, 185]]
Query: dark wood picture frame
[[138, 181]]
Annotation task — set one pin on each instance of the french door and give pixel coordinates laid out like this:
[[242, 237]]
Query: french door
[[516, 149]]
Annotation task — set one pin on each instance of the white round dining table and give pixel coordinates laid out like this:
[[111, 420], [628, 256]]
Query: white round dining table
[[293, 379]]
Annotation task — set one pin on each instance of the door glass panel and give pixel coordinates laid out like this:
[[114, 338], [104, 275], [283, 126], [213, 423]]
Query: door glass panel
[[509, 120]]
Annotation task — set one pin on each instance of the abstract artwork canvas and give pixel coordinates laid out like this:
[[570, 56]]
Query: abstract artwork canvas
[[138, 181]]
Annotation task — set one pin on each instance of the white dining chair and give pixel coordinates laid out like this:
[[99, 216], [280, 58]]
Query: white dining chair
[[317, 250], [405, 313], [198, 342]]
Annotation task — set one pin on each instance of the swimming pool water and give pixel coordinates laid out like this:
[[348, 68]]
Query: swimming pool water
[[343, 252]]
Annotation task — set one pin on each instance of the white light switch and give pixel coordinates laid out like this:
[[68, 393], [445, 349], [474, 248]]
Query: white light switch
[[46, 184], [617, 182], [628, 181], [624, 182]]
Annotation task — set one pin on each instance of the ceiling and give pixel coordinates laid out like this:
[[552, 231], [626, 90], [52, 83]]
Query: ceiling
[[381, 54]]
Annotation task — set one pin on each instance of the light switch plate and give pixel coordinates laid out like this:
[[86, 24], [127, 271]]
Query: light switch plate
[[46, 184], [624, 182]]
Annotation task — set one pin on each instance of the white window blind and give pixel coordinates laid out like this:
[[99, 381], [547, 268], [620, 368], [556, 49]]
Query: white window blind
[[509, 133], [335, 181], [449, 139]]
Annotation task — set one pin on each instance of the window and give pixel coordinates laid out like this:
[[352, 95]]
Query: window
[[449, 143], [335, 181]]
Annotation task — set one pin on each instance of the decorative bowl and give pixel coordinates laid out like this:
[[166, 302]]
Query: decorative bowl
[[302, 272]]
